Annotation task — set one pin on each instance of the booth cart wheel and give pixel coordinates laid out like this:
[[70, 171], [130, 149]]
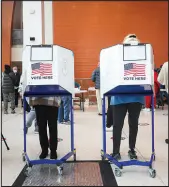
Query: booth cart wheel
[[27, 172], [23, 157], [102, 157], [154, 158], [74, 157], [60, 170], [152, 173], [118, 172]]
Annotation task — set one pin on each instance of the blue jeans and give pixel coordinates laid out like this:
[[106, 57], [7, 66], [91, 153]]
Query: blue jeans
[[64, 109], [30, 118]]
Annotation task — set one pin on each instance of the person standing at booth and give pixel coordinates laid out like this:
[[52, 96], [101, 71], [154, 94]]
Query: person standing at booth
[[8, 90], [96, 79], [16, 77], [46, 109], [163, 79], [64, 110], [148, 106], [122, 105]]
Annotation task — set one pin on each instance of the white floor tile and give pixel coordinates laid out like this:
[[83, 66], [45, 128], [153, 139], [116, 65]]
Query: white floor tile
[[88, 142]]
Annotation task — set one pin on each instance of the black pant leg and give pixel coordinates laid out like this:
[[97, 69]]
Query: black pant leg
[[109, 100], [109, 116], [167, 97], [52, 123], [16, 97], [119, 113], [41, 116], [22, 102], [134, 110]]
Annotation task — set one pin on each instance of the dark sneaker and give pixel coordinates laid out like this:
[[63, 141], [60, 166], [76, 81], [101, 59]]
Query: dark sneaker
[[117, 156], [132, 155], [166, 141], [43, 155], [53, 155], [5, 112], [13, 112]]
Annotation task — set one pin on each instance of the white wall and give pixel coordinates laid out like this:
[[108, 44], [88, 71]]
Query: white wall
[[48, 19], [16, 53], [32, 22]]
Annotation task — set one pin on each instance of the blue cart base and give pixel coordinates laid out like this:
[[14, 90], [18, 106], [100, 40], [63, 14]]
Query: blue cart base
[[47, 91], [58, 163], [122, 164], [130, 90]]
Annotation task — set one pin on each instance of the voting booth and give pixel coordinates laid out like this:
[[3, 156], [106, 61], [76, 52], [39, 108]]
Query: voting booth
[[48, 65], [124, 65], [127, 69], [48, 70]]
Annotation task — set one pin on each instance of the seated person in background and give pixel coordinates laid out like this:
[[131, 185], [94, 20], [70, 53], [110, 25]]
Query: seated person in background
[[77, 85], [163, 79], [156, 90]]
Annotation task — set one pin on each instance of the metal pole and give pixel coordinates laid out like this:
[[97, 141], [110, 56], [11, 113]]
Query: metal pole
[[104, 125]]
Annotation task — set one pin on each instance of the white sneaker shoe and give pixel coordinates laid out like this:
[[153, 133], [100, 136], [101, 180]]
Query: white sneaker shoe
[[109, 129], [146, 109]]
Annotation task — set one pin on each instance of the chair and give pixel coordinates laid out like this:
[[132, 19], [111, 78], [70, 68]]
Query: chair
[[91, 94]]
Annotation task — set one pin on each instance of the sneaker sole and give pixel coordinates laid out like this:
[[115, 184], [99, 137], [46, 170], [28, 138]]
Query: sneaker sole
[[132, 158]]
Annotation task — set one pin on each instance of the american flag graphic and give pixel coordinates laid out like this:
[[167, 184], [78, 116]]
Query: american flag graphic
[[134, 69], [41, 69]]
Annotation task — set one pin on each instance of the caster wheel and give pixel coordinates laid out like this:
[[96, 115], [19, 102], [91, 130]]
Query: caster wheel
[[74, 158], [118, 173], [60, 170], [29, 165], [102, 157], [154, 158], [27, 172], [152, 173]]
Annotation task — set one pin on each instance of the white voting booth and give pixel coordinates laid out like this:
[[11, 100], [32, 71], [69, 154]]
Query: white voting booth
[[48, 65], [48, 70], [127, 64]]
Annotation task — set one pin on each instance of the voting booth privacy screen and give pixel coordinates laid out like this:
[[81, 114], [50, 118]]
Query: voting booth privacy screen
[[48, 65], [123, 65]]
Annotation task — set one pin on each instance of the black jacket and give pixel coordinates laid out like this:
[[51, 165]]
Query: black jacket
[[16, 77], [7, 83]]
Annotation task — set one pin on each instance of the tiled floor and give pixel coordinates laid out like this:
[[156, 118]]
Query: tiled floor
[[88, 142]]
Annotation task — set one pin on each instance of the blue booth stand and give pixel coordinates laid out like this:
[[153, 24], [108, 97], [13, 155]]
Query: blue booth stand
[[47, 91], [132, 90]]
